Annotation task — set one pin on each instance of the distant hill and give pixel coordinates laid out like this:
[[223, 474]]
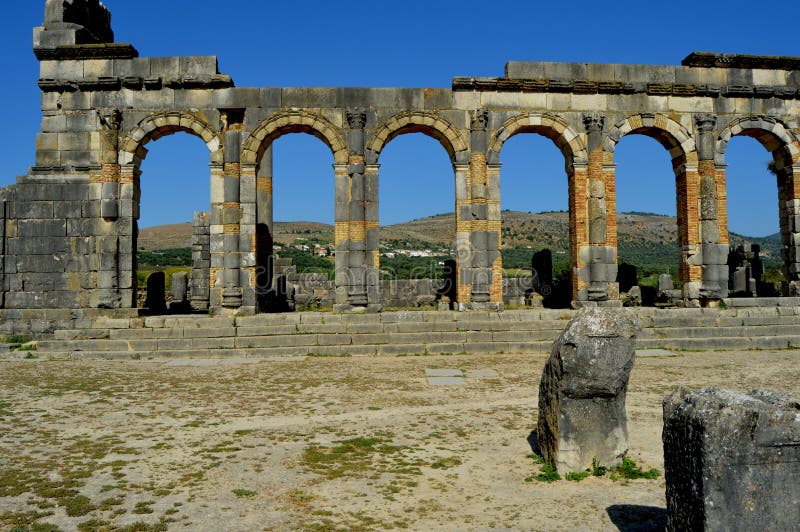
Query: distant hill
[[645, 239]]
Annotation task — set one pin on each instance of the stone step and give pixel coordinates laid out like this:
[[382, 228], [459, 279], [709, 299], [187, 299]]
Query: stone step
[[416, 349], [714, 332]]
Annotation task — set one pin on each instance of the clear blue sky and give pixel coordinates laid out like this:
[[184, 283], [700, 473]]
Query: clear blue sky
[[412, 44]]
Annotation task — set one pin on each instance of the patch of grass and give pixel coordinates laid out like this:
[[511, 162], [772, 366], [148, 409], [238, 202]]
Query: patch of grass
[[244, 493], [140, 526], [373, 408], [547, 474], [446, 462], [143, 507], [630, 471], [78, 506], [576, 476], [16, 339], [537, 458], [329, 355], [94, 525], [597, 469]]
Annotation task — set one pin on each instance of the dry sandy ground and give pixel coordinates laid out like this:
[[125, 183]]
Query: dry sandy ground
[[322, 444]]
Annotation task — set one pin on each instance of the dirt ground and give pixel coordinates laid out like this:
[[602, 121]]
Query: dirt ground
[[323, 443]]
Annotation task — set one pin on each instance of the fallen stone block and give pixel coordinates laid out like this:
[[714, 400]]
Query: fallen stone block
[[582, 391], [732, 460]]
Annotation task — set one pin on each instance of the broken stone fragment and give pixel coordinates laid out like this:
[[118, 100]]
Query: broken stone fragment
[[732, 460], [582, 391]]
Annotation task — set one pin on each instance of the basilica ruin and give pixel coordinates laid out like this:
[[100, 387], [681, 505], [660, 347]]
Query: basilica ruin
[[69, 234]]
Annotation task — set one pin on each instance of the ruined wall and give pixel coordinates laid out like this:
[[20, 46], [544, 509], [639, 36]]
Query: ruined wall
[[70, 232]]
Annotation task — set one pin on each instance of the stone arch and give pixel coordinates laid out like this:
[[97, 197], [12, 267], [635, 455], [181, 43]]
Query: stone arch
[[132, 148], [550, 125], [293, 121], [768, 131], [417, 122], [672, 135]]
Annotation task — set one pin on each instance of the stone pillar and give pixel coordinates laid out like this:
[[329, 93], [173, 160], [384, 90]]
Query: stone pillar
[[495, 231], [713, 238], [353, 274], [372, 223], [789, 210], [463, 242], [484, 246], [690, 268], [580, 250], [201, 263], [732, 460], [601, 216], [264, 230], [3, 285], [112, 222], [216, 236], [232, 294]]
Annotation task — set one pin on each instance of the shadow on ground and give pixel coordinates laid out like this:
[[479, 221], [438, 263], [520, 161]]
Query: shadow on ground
[[635, 518]]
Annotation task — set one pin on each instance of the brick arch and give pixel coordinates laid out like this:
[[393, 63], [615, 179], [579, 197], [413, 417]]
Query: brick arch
[[768, 131], [155, 126], [550, 125], [293, 121], [417, 122], [672, 135]]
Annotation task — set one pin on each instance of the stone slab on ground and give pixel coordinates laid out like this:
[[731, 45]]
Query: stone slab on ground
[[205, 362], [444, 372], [655, 353], [446, 381]]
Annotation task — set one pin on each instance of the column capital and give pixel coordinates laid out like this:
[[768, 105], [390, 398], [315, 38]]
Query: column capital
[[110, 118], [594, 121], [705, 122], [356, 118], [479, 120]]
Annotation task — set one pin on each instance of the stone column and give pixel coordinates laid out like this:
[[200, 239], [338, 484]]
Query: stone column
[[201, 262], [462, 244], [112, 222], [372, 219], [264, 230], [494, 228], [231, 214], [481, 262], [690, 268], [789, 202], [713, 234], [352, 274], [602, 256]]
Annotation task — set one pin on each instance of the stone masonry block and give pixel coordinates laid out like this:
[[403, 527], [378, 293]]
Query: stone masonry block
[[732, 460], [582, 391]]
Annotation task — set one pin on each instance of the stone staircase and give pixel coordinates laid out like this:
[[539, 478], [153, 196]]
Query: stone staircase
[[408, 333]]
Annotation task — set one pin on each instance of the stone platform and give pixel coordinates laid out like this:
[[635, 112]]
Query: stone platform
[[404, 332]]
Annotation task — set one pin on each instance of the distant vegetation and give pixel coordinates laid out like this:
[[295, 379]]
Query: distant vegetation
[[646, 240]]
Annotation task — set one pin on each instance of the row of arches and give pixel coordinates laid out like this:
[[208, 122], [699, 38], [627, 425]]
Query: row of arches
[[575, 147], [676, 138]]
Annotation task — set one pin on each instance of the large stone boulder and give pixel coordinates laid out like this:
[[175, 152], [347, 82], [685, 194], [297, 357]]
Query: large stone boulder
[[582, 391], [732, 460]]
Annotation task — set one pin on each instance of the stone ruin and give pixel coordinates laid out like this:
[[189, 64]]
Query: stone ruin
[[732, 460], [746, 271], [583, 388], [68, 236]]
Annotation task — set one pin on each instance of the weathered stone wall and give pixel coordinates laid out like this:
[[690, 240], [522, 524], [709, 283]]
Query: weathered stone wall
[[102, 104]]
